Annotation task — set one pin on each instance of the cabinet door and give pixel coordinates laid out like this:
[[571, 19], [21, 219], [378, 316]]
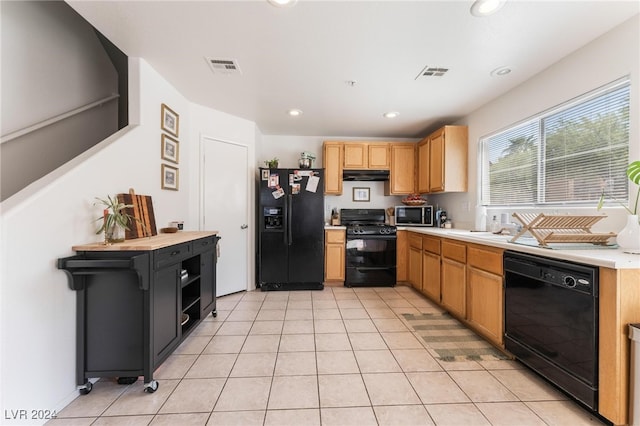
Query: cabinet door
[[332, 162], [423, 167], [402, 170], [379, 156], [431, 275], [484, 303], [334, 256], [453, 286], [334, 262], [207, 282], [402, 256], [436, 162], [166, 312], [415, 268], [356, 156]]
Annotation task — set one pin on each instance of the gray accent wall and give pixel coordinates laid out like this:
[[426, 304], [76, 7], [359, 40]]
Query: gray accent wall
[[57, 64]]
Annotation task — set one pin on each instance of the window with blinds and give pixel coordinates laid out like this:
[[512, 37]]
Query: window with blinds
[[568, 155]]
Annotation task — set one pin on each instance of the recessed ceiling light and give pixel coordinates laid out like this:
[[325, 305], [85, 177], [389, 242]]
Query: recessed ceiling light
[[282, 3], [294, 112], [391, 114], [483, 8], [500, 72]]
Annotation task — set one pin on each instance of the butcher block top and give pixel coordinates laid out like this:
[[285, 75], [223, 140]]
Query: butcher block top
[[148, 243]]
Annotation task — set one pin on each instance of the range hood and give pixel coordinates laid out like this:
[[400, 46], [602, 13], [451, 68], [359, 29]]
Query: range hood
[[365, 175]]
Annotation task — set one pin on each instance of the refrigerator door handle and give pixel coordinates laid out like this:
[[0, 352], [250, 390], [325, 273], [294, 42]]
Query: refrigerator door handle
[[289, 221]]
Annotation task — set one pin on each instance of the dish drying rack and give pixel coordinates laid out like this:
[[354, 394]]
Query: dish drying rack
[[561, 228]]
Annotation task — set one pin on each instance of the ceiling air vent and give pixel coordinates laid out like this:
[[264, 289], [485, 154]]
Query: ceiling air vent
[[224, 66], [432, 72]]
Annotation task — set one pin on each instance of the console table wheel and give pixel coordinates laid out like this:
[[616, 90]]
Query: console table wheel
[[152, 386], [86, 388]]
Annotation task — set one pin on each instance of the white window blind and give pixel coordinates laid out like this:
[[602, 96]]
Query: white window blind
[[565, 156]]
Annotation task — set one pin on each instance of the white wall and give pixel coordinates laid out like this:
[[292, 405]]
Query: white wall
[[42, 223], [608, 58]]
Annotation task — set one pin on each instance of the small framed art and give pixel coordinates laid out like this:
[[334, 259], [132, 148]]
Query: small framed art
[[170, 149], [169, 177], [170, 120], [361, 194]]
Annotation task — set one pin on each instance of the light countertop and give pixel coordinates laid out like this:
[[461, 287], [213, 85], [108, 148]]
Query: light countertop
[[614, 258], [147, 243]]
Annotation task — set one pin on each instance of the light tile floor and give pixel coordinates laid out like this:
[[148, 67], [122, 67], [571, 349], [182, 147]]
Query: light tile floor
[[334, 357]]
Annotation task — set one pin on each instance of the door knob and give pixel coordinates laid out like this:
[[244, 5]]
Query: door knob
[[244, 226]]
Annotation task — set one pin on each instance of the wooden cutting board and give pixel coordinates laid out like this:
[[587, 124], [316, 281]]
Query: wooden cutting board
[[142, 211]]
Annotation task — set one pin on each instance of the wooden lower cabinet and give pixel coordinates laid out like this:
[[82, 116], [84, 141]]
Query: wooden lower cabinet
[[485, 293], [415, 260], [453, 289], [431, 275], [402, 256], [431, 267], [334, 255], [619, 301], [485, 303], [454, 277]]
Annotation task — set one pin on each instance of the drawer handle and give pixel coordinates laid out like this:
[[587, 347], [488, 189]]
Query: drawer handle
[[176, 252]]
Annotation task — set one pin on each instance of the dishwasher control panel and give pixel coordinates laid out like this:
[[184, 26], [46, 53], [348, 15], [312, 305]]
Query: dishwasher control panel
[[565, 274]]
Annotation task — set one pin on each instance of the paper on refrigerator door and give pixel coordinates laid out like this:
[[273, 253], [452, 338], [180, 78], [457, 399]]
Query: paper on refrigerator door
[[312, 183]]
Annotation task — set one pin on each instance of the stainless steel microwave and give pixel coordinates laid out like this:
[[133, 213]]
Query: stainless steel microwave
[[414, 215]]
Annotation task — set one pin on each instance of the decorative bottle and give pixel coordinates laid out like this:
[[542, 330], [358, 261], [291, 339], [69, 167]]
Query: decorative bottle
[[495, 225]]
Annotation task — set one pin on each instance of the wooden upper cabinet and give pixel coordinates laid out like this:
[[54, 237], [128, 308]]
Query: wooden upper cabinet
[[364, 155], [402, 169], [423, 166], [356, 156], [442, 161], [447, 160], [332, 159], [436, 163], [379, 156]]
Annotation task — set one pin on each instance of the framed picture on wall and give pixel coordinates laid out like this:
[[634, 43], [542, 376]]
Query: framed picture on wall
[[169, 120], [170, 149], [361, 194], [169, 177]]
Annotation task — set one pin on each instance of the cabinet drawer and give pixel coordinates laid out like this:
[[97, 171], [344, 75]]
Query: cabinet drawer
[[171, 255], [485, 258], [204, 244], [431, 244], [334, 237], [415, 240], [454, 251]]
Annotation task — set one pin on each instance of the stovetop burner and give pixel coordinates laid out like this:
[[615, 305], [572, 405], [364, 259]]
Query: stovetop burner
[[371, 229], [366, 222]]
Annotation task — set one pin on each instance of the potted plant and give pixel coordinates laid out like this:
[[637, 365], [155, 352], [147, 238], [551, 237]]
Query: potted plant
[[629, 237], [114, 219], [272, 164]]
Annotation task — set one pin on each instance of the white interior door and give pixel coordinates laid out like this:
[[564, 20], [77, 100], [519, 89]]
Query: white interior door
[[225, 198]]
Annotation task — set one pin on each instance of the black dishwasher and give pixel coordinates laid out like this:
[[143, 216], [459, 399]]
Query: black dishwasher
[[551, 321]]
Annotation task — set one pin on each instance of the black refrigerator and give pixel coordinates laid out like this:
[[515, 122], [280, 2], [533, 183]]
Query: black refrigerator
[[290, 236]]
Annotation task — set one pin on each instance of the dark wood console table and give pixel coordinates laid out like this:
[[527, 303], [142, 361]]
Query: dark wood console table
[[137, 301]]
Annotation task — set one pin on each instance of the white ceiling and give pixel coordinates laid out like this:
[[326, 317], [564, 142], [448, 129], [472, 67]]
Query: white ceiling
[[302, 56]]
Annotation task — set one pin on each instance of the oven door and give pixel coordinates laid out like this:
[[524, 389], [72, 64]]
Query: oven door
[[370, 260]]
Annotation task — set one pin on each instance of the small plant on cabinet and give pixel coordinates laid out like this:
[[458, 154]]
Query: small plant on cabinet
[[114, 219]]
